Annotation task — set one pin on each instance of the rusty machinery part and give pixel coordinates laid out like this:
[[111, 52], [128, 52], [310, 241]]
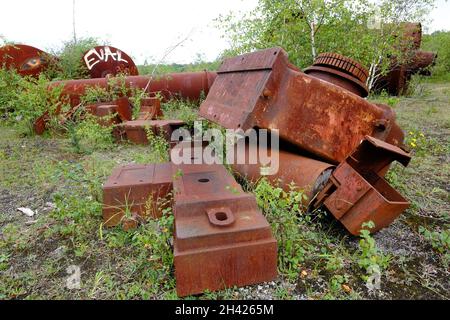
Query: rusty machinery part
[[261, 90], [27, 60], [150, 109], [141, 190], [103, 61], [341, 71], [357, 193], [189, 86], [286, 169], [186, 85], [421, 61], [411, 35], [221, 238], [137, 130]]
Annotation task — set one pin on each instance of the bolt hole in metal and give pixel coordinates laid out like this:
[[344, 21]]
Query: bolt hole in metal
[[221, 216], [203, 180]]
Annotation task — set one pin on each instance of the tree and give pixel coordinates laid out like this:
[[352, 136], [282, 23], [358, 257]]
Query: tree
[[439, 42], [308, 27]]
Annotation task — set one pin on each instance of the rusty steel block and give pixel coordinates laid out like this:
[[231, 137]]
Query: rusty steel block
[[306, 174], [27, 60], [103, 61], [136, 130], [136, 192], [341, 71], [263, 90], [109, 112], [221, 238], [357, 193], [150, 109]]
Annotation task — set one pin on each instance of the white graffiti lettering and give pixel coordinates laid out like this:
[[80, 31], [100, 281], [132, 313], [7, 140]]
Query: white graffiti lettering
[[94, 57]]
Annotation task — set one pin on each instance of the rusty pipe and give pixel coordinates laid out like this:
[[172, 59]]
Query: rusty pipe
[[186, 85], [305, 174]]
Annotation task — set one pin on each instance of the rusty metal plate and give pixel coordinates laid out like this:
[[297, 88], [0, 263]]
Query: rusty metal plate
[[136, 130], [221, 238], [103, 61], [136, 192], [27, 60], [262, 90], [357, 192]]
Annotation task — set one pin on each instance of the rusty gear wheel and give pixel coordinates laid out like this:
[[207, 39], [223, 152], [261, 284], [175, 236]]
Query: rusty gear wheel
[[342, 71], [343, 64]]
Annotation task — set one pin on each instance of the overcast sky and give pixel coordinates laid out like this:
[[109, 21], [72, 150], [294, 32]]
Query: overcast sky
[[142, 28]]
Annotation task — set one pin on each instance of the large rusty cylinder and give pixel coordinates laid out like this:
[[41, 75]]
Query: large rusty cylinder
[[186, 85], [221, 239], [357, 194], [27, 60], [411, 35], [341, 71], [421, 60], [263, 90], [103, 61], [289, 169]]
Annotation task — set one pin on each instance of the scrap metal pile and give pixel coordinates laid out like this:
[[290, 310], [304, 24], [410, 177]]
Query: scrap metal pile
[[335, 146]]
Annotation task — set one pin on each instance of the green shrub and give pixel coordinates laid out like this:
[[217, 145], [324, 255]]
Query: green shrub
[[70, 64]]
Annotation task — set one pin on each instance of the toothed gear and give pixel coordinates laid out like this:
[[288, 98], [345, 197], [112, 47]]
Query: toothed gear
[[343, 64]]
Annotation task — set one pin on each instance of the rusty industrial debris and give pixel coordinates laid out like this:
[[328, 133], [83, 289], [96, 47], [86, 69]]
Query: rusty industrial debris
[[414, 60], [134, 193], [104, 61], [221, 238], [27, 60], [264, 90], [335, 146], [341, 71]]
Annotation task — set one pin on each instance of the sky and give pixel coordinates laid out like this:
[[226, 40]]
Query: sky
[[144, 29]]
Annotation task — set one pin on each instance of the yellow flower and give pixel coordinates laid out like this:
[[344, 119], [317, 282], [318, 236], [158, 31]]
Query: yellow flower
[[422, 135], [413, 145]]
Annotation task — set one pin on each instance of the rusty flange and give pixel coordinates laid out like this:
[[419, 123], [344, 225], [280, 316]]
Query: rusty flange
[[106, 60], [341, 71], [27, 60]]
